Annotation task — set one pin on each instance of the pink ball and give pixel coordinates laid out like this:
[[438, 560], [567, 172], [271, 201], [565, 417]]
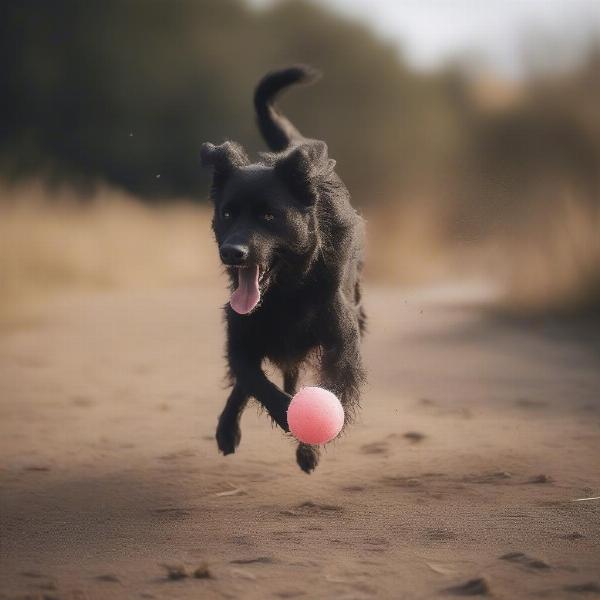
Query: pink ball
[[315, 415]]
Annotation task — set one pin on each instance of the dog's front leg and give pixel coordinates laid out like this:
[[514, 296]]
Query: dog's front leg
[[228, 429], [307, 456], [251, 378]]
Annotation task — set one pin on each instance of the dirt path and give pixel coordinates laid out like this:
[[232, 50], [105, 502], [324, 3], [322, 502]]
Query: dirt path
[[476, 436]]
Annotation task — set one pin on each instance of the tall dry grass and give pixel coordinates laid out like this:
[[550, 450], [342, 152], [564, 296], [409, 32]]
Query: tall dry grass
[[553, 264], [52, 242], [57, 242], [549, 264], [408, 245]]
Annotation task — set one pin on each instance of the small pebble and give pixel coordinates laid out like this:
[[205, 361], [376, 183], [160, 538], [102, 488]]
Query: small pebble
[[175, 572], [202, 572]]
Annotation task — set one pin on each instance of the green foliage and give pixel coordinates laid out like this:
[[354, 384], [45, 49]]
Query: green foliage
[[127, 90]]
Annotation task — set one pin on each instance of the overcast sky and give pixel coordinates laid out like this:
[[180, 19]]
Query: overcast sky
[[431, 32]]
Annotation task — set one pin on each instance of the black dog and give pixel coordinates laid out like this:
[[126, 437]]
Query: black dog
[[292, 245]]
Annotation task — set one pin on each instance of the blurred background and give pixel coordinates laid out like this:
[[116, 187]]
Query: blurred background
[[467, 132]]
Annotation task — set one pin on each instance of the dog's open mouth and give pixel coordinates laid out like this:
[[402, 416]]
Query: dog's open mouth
[[247, 294]]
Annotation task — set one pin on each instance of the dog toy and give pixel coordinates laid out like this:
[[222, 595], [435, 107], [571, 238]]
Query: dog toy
[[315, 415]]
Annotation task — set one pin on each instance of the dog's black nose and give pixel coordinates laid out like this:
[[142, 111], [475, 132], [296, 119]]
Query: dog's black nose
[[234, 254]]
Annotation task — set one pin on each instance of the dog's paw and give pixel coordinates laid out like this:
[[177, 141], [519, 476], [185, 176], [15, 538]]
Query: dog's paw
[[307, 457], [228, 437]]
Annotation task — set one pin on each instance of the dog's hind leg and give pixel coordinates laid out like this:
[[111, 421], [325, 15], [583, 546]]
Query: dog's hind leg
[[228, 429], [307, 456], [341, 365]]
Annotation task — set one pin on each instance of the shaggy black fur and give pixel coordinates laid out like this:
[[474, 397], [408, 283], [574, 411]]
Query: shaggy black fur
[[290, 214]]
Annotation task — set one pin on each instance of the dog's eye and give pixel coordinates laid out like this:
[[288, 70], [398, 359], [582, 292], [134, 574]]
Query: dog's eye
[[226, 214], [267, 216]]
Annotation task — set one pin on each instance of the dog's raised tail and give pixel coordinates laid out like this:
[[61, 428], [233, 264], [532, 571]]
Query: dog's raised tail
[[277, 130]]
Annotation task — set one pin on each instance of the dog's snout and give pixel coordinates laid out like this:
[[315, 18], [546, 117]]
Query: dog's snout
[[234, 254]]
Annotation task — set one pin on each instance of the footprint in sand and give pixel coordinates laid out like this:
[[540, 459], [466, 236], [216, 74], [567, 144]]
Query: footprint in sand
[[411, 436], [339, 543], [172, 512], [312, 509], [375, 448], [440, 535], [590, 587], [575, 535], [107, 578], [541, 478], [177, 572], [445, 410], [262, 560], [400, 481], [530, 404], [36, 468], [82, 401], [354, 488], [427, 402], [375, 544], [495, 477], [186, 453], [473, 587], [45, 586], [289, 536], [522, 559], [32, 574]]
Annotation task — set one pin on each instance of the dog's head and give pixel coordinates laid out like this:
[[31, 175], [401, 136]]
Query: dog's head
[[265, 218]]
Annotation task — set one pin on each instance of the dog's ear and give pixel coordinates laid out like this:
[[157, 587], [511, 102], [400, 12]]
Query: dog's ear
[[304, 168], [223, 158]]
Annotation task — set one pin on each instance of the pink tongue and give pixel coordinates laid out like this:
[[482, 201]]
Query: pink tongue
[[247, 294]]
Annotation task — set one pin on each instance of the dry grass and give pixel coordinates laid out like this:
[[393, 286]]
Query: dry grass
[[59, 242], [408, 246], [50, 243], [550, 264], [553, 265]]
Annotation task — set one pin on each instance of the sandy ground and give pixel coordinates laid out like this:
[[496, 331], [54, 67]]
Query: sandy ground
[[476, 436]]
